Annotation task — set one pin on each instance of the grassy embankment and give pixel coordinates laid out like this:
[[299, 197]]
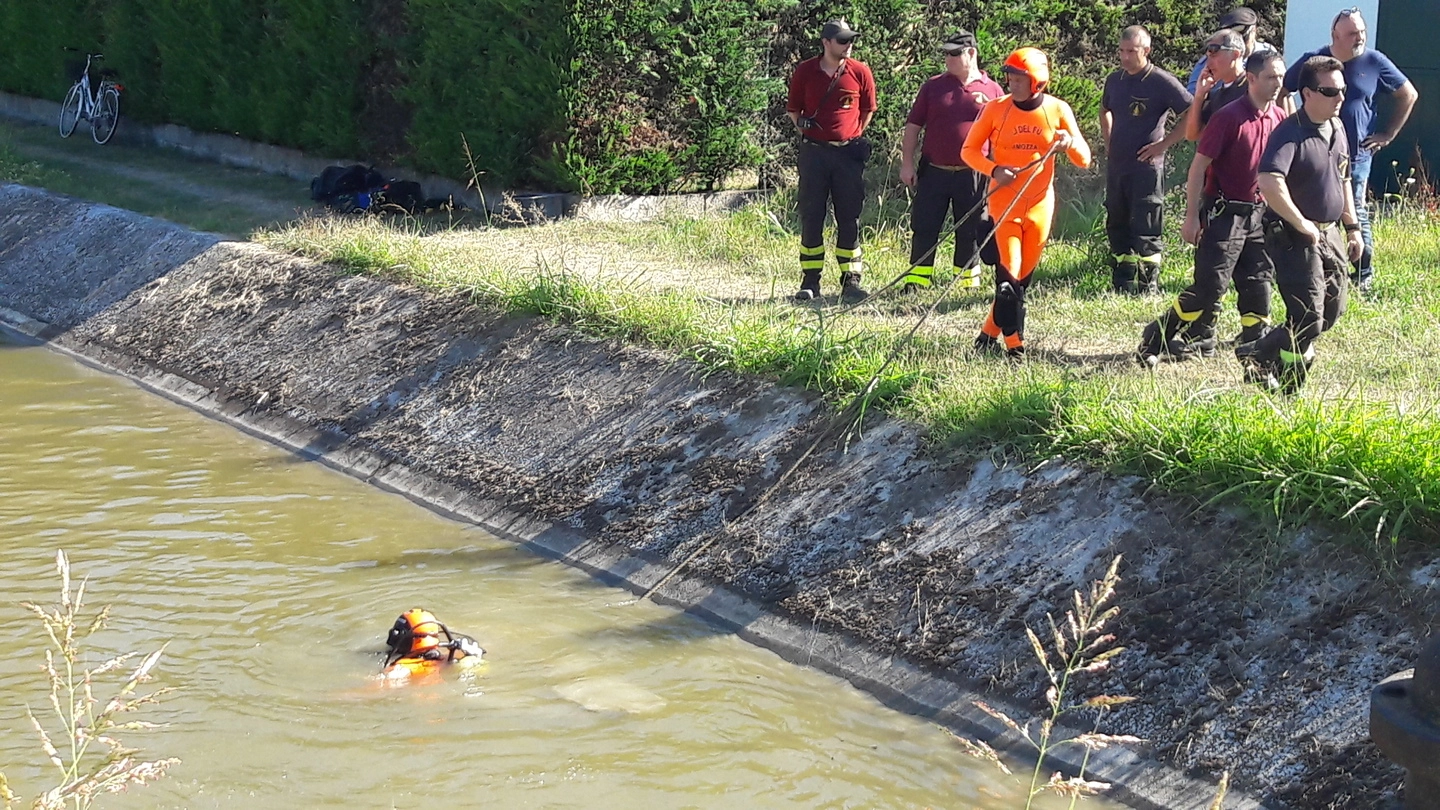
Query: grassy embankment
[[1357, 449], [1360, 448]]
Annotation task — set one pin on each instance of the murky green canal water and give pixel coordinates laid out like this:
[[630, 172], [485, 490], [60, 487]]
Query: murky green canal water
[[274, 581]]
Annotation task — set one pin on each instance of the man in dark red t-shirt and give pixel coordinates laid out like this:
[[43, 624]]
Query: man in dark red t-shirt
[[944, 110], [1222, 220], [832, 98]]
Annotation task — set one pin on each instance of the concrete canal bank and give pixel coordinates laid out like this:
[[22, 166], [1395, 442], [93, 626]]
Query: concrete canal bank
[[908, 570]]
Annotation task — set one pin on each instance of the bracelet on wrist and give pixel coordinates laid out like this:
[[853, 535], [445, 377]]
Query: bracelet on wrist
[[1351, 227]]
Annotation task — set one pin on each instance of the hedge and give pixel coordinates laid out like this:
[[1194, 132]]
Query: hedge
[[599, 96]]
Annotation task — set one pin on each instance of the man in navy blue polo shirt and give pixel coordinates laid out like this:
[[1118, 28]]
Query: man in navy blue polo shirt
[[1367, 72], [1305, 179], [1133, 107]]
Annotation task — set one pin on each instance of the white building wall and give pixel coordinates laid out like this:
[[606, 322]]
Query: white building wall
[[1307, 23]]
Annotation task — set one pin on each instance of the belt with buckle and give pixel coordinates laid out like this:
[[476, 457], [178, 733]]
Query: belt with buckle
[[845, 142], [1224, 206]]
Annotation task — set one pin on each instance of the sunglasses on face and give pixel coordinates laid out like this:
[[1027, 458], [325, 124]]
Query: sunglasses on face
[[1329, 92], [839, 41]]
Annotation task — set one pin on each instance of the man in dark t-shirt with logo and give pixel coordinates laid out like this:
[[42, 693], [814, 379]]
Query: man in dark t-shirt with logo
[[1305, 178], [1137, 100], [832, 99], [1222, 219], [1367, 73], [944, 110]]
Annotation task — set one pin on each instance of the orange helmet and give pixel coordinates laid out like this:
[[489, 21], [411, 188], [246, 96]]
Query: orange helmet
[[1033, 63], [415, 632]]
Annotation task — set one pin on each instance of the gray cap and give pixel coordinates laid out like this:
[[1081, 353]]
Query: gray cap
[[838, 30], [1229, 39]]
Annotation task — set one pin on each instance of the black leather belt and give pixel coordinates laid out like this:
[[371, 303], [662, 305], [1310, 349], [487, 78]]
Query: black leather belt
[[845, 142]]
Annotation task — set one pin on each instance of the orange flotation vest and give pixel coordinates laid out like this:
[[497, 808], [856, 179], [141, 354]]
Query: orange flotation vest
[[415, 647]]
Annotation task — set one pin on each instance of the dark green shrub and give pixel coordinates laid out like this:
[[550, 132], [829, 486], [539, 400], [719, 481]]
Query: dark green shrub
[[600, 96]]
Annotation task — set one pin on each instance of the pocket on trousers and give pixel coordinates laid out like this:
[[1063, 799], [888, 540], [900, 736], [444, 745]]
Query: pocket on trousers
[[860, 149]]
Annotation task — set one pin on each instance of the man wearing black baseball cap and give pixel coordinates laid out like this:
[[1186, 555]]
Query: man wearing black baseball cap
[[831, 101], [945, 109]]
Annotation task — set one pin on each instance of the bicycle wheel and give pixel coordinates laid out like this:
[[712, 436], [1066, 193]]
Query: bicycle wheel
[[106, 115], [70, 111]]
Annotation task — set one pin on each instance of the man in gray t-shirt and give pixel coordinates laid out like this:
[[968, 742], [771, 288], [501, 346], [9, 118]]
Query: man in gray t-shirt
[[1137, 100]]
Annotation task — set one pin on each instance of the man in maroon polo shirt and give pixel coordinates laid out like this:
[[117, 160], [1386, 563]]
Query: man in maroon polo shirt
[[1222, 220], [832, 99], [944, 110]]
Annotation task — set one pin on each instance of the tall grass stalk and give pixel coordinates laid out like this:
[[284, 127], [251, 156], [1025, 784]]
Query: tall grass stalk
[[1078, 646], [89, 760]]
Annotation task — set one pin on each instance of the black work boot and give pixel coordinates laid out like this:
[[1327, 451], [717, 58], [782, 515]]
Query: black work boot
[[1250, 334], [809, 286], [984, 344], [1292, 372], [1153, 341], [1192, 348], [850, 290], [1123, 276], [1147, 281]]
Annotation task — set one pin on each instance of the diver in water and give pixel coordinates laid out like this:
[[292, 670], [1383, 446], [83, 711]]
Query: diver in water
[[415, 647]]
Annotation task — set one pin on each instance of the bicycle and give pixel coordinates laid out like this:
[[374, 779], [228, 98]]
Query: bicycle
[[102, 109]]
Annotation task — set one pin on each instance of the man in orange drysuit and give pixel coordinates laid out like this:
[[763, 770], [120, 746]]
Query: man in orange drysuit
[[1019, 129]]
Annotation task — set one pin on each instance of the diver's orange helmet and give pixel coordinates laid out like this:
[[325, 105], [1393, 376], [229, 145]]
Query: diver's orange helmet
[[416, 631], [1033, 63]]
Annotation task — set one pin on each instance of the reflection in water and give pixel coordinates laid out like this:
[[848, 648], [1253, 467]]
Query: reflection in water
[[275, 583]]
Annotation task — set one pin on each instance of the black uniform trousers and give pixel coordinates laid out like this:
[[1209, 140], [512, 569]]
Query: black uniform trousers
[[942, 191], [1133, 206], [1314, 282], [1232, 247], [830, 175]]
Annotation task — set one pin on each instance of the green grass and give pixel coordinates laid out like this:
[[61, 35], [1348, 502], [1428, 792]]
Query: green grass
[[161, 183], [1354, 451]]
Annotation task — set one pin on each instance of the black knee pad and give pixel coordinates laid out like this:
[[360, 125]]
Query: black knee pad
[[1009, 306]]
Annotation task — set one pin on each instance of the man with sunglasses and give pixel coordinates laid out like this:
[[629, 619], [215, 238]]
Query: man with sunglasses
[[1222, 219], [1221, 82], [831, 102], [1367, 73], [1133, 107], [1245, 23], [945, 109], [1305, 179]]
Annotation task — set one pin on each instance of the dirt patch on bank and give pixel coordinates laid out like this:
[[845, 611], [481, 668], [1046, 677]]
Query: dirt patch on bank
[[1249, 653]]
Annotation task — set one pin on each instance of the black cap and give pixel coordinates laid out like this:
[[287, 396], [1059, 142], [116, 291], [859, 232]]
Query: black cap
[[1241, 17], [958, 41], [838, 30]]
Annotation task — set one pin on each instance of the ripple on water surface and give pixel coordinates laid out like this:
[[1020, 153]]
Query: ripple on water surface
[[274, 580]]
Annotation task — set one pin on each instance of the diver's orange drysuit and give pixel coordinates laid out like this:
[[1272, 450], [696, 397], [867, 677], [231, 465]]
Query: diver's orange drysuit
[[1016, 137]]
